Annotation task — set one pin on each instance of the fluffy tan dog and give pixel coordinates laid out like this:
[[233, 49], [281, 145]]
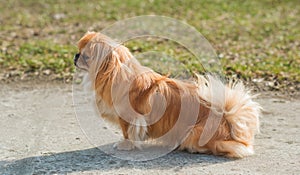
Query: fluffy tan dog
[[201, 117]]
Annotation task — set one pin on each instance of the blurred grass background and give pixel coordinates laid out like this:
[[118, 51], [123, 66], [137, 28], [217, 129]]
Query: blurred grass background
[[256, 40]]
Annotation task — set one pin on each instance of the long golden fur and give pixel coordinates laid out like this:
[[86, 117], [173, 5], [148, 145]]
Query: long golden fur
[[111, 67]]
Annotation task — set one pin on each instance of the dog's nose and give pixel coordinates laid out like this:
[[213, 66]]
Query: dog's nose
[[76, 58]]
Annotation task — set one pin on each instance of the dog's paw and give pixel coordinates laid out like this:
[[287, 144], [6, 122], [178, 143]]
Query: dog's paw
[[124, 145]]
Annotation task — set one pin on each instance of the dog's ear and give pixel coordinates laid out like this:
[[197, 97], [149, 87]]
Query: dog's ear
[[107, 58], [101, 55]]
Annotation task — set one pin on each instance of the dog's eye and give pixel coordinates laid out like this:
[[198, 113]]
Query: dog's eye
[[85, 57]]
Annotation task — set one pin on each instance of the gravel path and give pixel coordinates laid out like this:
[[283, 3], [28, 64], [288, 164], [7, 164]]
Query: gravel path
[[39, 134]]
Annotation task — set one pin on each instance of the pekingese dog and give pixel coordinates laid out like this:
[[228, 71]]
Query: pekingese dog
[[203, 116]]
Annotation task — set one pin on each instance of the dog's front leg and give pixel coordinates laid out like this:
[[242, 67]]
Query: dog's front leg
[[135, 131], [124, 144]]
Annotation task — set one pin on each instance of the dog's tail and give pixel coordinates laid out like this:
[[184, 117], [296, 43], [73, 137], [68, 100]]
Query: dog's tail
[[233, 102]]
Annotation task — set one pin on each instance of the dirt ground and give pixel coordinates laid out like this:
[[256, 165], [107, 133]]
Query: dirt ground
[[39, 134]]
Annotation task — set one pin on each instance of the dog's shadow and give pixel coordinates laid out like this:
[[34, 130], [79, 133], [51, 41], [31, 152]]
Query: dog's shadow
[[94, 159]]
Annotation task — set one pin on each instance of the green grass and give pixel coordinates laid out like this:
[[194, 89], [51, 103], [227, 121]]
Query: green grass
[[254, 39]]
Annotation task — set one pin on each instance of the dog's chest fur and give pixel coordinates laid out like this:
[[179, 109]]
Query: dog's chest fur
[[106, 111]]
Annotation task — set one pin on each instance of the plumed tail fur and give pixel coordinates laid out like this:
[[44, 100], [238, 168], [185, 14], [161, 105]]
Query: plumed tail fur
[[238, 108]]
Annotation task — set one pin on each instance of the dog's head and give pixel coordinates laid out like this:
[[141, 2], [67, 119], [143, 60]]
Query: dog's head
[[98, 52]]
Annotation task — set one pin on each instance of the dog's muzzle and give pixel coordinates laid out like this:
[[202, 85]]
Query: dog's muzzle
[[76, 58]]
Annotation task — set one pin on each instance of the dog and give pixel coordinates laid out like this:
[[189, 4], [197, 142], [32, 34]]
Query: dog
[[218, 118]]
